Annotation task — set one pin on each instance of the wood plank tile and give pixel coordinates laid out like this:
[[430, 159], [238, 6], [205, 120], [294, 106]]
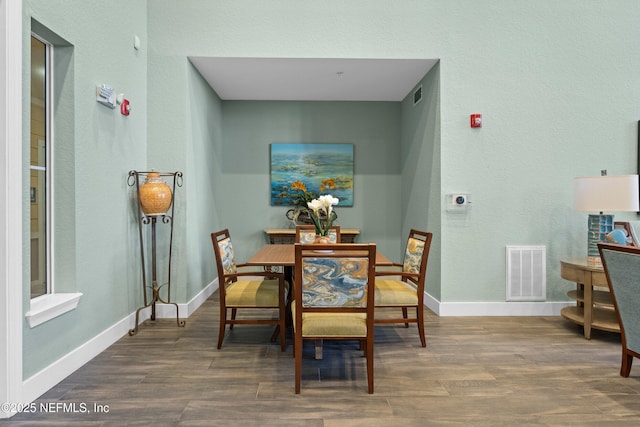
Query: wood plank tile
[[481, 371]]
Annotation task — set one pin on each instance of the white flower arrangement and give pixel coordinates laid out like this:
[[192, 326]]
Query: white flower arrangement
[[323, 214]]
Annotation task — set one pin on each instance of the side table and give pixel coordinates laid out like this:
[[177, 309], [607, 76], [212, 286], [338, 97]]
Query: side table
[[284, 236], [594, 308]]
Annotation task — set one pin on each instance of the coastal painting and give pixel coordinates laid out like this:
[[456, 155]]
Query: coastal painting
[[314, 169]]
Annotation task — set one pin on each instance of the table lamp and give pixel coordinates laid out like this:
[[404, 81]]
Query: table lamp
[[599, 194]]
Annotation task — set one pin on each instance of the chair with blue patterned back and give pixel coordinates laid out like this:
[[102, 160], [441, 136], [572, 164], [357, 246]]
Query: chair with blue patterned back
[[402, 286], [333, 298], [307, 234], [241, 288]]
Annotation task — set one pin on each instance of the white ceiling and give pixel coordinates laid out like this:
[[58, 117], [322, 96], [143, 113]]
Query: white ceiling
[[312, 79]]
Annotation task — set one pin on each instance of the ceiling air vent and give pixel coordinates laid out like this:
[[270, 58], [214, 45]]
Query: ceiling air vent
[[417, 95]]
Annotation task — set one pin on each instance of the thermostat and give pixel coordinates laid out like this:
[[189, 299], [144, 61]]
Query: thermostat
[[458, 202], [460, 199]]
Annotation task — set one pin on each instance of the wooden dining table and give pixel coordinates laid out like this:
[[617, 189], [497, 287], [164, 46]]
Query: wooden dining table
[[273, 255]]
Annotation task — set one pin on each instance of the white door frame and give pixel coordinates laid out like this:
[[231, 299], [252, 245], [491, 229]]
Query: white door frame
[[11, 214]]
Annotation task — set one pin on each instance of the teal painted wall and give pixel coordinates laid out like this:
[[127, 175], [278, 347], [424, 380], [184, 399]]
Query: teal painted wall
[[96, 234], [420, 166], [556, 83], [203, 184], [250, 128]]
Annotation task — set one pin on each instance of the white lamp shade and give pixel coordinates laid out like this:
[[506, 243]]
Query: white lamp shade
[[609, 193]]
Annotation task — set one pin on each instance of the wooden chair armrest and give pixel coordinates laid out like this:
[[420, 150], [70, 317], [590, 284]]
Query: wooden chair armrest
[[395, 264], [261, 273], [402, 274], [248, 266], [389, 267]]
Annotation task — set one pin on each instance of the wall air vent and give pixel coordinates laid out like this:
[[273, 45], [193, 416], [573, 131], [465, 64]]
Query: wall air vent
[[417, 95], [526, 273]]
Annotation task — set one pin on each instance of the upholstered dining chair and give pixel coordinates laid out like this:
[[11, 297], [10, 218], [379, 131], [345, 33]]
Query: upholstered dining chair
[[333, 298], [241, 288], [402, 285], [622, 267], [307, 234]]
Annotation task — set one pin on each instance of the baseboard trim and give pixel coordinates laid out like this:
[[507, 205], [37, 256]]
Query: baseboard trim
[[185, 310], [512, 308], [39, 383]]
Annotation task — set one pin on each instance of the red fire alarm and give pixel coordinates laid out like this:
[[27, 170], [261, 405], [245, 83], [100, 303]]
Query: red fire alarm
[[125, 107], [476, 120]]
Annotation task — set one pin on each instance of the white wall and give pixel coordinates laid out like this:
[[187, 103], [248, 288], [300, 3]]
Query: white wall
[[10, 214]]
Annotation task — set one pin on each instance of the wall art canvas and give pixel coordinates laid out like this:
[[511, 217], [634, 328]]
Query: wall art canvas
[[320, 168]]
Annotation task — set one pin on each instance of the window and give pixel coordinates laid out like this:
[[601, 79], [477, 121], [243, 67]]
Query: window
[[40, 167], [49, 300]]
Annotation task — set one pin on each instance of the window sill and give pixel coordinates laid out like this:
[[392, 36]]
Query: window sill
[[51, 306]]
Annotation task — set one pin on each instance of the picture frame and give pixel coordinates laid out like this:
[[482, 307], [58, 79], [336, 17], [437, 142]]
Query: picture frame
[[318, 168]]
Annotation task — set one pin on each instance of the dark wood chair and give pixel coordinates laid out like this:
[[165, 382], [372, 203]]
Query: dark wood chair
[[241, 288], [402, 286], [622, 267], [333, 298], [307, 234]]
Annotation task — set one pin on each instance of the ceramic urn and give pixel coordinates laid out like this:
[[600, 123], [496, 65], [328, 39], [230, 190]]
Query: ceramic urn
[[155, 195]]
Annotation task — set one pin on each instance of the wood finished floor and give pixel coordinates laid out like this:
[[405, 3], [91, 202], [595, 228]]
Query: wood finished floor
[[500, 371]]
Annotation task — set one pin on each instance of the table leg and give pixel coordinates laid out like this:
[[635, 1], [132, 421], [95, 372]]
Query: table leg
[[588, 307], [319, 343]]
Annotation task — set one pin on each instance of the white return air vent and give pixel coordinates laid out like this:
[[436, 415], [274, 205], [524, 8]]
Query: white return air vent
[[526, 273]]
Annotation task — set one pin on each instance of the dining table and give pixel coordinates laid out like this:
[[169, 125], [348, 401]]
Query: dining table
[[274, 255], [284, 255], [278, 255]]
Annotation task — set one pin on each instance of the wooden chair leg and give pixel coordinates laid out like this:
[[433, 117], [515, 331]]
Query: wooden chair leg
[[283, 328], [369, 351], [627, 361], [405, 316], [275, 334], [223, 325], [298, 355], [234, 311], [420, 316], [293, 345], [287, 313]]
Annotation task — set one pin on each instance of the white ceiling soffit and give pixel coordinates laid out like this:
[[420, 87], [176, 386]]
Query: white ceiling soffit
[[312, 79]]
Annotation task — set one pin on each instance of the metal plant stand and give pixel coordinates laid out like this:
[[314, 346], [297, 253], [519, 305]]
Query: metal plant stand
[[143, 220]]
